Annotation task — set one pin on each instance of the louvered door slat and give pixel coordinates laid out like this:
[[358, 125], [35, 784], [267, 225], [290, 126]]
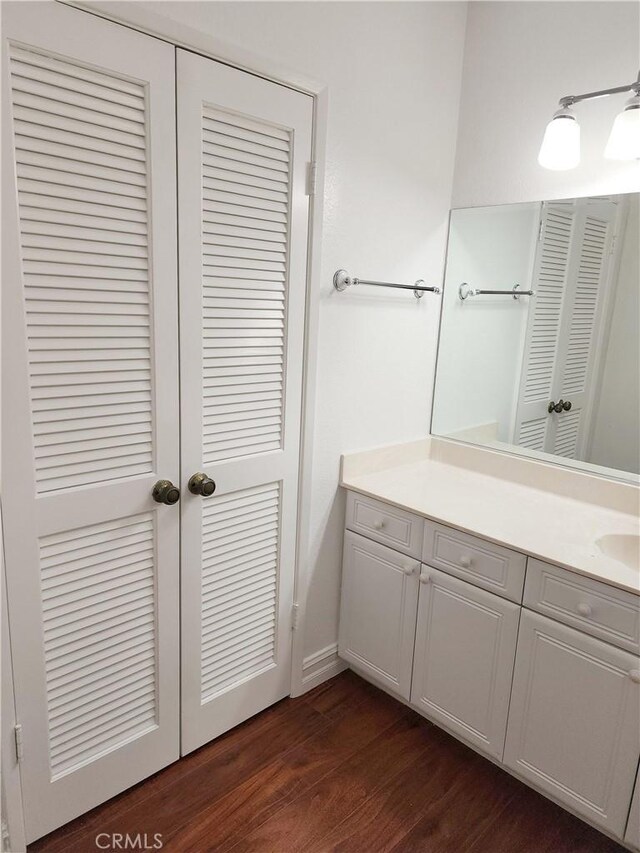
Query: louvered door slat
[[566, 439], [222, 591], [587, 295], [242, 318], [547, 305], [531, 433], [83, 592]]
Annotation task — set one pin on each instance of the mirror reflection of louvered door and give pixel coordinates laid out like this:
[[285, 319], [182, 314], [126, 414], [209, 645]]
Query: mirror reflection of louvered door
[[570, 278], [583, 315], [243, 149], [90, 405]]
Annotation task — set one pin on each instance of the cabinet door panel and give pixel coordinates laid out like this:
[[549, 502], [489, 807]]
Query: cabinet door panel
[[574, 720], [463, 661], [90, 414], [378, 612]]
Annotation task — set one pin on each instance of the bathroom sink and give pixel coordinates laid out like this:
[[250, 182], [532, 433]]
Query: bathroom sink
[[623, 547]]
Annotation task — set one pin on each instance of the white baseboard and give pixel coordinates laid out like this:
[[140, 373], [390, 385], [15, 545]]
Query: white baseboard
[[321, 666]]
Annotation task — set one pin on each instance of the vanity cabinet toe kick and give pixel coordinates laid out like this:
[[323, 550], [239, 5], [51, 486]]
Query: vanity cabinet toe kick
[[535, 666]]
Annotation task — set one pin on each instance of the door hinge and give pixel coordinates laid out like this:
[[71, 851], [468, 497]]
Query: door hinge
[[540, 226], [312, 172], [17, 730], [613, 244], [294, 617]]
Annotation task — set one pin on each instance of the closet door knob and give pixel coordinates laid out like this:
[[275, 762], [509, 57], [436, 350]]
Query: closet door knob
[[200, 484], [425, 577], [567, 405], [557, 407], [164, 492]]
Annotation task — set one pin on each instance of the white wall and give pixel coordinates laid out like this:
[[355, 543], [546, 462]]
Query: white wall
[[520, 58], [393, 72], [616, 437], [482, 338]]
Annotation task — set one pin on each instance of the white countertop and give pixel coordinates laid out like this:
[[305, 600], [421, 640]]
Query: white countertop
[[512, 506]]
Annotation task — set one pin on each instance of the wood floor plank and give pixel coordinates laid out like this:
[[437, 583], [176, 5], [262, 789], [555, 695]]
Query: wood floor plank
[[344, 768], [533, 820], [340, 696], [256, 799], [495, 813], [178, 793], [304, 822], [426, 787]]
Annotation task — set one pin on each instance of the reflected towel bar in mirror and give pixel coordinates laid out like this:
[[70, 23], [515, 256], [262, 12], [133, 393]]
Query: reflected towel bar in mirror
[[466, 290], [342, 280]]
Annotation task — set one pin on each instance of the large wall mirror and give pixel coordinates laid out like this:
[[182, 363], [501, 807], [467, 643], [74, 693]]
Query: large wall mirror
[[539, 350]]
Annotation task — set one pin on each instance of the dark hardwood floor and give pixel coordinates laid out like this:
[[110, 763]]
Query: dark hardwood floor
[[343, 768]]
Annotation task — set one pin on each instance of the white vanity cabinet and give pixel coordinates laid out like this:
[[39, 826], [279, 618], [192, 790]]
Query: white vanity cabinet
[[532, 664], [378, 612], [463, 663], [574, 720], [632, 835]]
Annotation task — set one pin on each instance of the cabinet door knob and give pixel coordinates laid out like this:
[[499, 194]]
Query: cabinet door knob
[[634, 675], [200, 484], [378, 525], [466, 561], [425, 577], [164, 492], [585, 609], [409, 570]]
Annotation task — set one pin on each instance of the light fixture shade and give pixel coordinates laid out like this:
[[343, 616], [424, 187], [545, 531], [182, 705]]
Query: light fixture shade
[[624, 139], [560, 147]]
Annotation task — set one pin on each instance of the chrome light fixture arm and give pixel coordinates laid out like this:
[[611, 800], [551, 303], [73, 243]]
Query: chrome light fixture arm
[[570, 100]]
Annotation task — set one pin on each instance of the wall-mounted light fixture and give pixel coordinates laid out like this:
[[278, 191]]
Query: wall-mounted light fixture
[[561, 144]]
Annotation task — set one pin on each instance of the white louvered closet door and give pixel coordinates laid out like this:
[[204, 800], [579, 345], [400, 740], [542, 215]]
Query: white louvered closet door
[[551, 277], [570, 281], [243, 148], [583, 315], [90, 404]]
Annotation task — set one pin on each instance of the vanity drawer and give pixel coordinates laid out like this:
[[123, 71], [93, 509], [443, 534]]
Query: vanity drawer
[[586, 604], [383, 523], [475, 560]]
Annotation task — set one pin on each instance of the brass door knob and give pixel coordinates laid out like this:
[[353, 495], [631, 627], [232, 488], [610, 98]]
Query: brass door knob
[[200, 484], [164, 492]]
